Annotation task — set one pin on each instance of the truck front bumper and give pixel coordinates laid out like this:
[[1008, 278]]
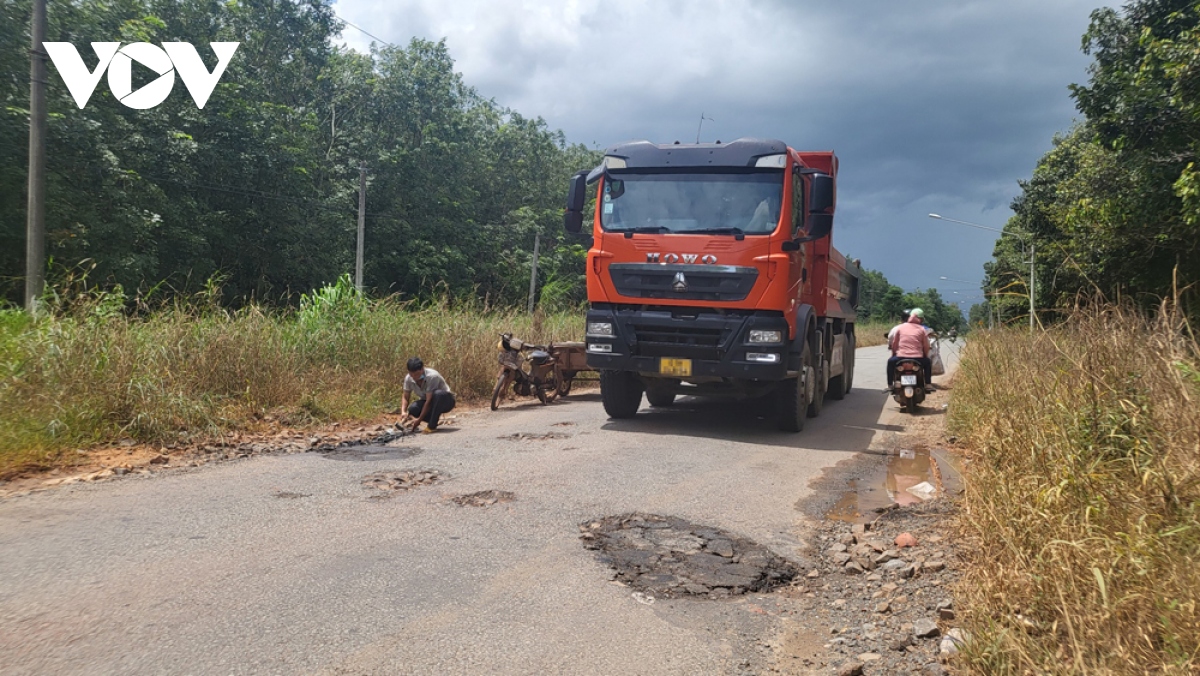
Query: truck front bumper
[[715, 346]]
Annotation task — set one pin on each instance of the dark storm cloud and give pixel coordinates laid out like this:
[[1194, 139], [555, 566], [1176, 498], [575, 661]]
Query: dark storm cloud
[[932, 106]]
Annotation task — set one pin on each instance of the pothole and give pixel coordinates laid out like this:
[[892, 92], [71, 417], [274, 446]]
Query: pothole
[[370, 452], [909, 477], [289, 495], [526, 436], [483, 498], [670, 557], [403, 480]]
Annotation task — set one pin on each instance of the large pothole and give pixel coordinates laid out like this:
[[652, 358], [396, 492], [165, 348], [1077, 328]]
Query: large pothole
[[671, 557]]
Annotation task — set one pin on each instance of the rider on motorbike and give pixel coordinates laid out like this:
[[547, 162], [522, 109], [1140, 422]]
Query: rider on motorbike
[[910, 340]]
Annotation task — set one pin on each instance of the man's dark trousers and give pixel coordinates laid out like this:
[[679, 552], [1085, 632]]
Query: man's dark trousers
[[442, 402]]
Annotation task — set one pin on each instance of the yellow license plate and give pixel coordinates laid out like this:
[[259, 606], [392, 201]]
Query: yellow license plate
[[675, 367]]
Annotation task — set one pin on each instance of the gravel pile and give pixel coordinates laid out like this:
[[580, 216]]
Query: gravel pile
[[880, 593]]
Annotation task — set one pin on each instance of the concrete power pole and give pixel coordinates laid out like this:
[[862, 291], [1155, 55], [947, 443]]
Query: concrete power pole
[[362, 219], [533, 271], [35, 230]]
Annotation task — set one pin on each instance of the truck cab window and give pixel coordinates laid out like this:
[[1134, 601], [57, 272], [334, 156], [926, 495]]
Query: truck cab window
[[745, 203]]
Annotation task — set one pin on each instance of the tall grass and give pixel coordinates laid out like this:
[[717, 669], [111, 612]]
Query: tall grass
[[1081, 510], [88, 374], [869, 334]]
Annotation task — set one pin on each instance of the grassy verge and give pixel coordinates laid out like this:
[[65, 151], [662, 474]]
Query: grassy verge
[[869, 334], [93, 375], [1082, 502]]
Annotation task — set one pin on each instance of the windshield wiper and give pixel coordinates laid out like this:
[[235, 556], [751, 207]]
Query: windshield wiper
[[644, 230], [738, 232]]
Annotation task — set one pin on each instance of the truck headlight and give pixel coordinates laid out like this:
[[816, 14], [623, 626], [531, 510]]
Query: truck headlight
[[600, 329], [760, 336], [763, 357]]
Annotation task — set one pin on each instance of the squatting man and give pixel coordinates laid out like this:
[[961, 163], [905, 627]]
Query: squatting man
[[432, 395]]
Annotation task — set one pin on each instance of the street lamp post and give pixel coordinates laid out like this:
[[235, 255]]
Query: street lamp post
[[1032, 260]]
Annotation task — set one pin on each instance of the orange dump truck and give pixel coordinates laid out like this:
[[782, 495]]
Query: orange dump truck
[[712, 273]]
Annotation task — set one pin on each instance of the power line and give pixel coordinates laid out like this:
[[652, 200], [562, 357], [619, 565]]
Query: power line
[[361, 30]]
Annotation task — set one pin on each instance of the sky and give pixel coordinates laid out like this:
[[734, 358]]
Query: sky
[[937, 106]]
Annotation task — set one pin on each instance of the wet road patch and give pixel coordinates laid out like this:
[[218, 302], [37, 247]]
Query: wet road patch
[[483, 498], [402, 480], [370, 452], [670, 557]]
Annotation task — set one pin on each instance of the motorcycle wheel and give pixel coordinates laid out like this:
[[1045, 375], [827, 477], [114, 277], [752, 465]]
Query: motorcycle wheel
[[548, 391], [502, 382]]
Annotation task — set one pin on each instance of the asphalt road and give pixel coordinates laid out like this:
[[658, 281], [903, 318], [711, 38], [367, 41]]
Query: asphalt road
[[287, 564]]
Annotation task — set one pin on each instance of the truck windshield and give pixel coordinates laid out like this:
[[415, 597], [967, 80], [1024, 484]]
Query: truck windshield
[[732, 204]]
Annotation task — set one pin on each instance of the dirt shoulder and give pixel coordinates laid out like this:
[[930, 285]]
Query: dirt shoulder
[[129, 459], [878, 598]]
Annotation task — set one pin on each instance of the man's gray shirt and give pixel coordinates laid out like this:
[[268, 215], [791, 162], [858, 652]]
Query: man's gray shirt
[[433, 382]]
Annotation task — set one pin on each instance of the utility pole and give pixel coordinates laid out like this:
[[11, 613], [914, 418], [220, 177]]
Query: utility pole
[[533, 271], [1032, 283], [362, 219], [35, 224]]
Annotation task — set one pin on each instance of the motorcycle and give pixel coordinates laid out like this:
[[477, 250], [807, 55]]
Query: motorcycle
[[529, 369], [909, 387]]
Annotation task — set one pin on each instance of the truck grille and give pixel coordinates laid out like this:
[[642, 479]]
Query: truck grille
[[683, 282], [678, 341]]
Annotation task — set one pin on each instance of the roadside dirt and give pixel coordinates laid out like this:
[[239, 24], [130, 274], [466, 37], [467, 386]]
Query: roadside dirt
[[343, 440], [878, 598]]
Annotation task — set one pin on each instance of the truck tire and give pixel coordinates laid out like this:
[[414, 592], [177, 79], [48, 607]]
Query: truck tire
[[660, 398], [851, 352], [839, 386], [792, 400], [621, 393], [818, 391]]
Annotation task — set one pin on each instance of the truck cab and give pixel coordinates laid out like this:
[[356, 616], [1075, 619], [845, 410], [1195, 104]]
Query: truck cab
[[711, 273]]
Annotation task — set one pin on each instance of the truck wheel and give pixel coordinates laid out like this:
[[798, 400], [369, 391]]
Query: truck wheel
[[818, 389], [621, 393], [851, 347], [792, 399], [839, 386], [660, 398]]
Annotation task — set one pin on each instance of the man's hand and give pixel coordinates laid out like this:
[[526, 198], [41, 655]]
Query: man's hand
[[416, 423]]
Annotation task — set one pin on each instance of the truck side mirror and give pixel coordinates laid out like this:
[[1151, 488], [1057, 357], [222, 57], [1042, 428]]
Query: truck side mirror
[[819, 225], [820, 222], [576, 196], [821, 199]]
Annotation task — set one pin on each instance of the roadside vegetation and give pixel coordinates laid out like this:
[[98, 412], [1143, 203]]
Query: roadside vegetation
[[1083, 496], [89, 373]]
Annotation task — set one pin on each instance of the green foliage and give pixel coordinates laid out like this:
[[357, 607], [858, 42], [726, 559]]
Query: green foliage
[[332, 305], [1114, 207], [261, 185]]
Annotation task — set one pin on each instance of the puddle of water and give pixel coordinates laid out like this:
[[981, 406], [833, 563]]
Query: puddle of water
[[890, 484]]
